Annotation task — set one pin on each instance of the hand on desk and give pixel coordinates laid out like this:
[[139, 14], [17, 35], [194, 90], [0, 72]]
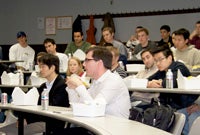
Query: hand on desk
[[154, 84]]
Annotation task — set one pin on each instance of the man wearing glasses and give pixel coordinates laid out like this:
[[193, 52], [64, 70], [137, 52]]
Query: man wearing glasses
[[106, 86], [164, 60]]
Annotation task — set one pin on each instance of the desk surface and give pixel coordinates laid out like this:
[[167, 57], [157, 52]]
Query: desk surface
[[10, 61], [193, 73], [165, 90], [108, 125], [21, 86]]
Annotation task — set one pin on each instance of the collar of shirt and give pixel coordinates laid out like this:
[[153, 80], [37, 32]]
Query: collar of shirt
[[50, 84], [102, 77]]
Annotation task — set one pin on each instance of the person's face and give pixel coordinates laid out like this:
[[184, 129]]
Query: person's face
[[198, 28], [148, 59], [90, 65], [179, 42], [162, 62], [164, 34], [50, 48], [73, 66], [78, 38], [108, 37], [136, 32], [45, 71], [22, 40], [143, 38]]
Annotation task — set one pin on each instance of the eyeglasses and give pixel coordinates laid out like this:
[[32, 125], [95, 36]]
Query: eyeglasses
[[87, 60], [159, 60]]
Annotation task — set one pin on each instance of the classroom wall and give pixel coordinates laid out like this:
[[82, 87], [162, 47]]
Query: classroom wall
[[22, 15]]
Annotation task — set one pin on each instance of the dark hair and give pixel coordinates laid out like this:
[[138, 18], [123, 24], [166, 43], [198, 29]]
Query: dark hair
[[79, 31], [165, 27], [139, 27], [164, 49], [198, 22], [184, 32], [146, 50], [101, 53], [50, 60], [47, 40], [107, 44], [21, 34]]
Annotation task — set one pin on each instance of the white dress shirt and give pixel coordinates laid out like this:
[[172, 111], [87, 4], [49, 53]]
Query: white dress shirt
[[110, 88]]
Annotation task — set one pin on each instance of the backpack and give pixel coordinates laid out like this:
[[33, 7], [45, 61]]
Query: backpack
[[156, 115]]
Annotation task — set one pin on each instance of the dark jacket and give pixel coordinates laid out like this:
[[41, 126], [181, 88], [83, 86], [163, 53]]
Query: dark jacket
[[58, 96], [170, 43], [177, 101]]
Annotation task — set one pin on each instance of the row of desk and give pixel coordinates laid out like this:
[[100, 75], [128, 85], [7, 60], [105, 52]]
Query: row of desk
[[107, 125], [193, 73], [166, 90]]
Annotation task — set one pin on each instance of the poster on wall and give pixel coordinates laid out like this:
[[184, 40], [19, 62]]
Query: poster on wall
[[50, 25], [64, 22]]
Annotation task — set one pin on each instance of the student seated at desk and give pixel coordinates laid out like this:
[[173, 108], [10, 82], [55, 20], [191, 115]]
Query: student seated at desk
[[105, 86], [75, 67], [21, 51], [150, 69], [164, 59], [49, 68], [116, 68], [50, 47], [185, 52]]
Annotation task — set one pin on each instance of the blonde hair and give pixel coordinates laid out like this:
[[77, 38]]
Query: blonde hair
[[68, 73], [114, 50]]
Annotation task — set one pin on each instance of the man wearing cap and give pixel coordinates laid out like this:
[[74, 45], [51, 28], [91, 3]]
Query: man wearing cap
[[21, 51]]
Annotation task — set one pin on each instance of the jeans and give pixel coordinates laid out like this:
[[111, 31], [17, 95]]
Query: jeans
[[189, 120]]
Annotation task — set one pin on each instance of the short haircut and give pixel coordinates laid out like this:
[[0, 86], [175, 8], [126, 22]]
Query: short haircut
[[164, 49], [143, 29], [108, 29], [40, 54], [47, 40], [107, 44], [165, 27], [78, 31], [184, 32], [139, 27], [101, 53], [114, 50], [146, 50], [198, 22], [50, 60]]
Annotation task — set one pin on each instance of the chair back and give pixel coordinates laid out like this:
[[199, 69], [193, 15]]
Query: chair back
[[194, 130], [178, 124]]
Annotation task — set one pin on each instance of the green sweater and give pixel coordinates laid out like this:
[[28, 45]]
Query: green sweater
[[72, 47]]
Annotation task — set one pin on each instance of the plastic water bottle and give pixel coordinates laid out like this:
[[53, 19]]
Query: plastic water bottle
[[21, 78], [45, 99], [169, 79], [121, 64]]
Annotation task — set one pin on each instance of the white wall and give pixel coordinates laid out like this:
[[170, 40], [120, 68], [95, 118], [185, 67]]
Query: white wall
[[22, 15]]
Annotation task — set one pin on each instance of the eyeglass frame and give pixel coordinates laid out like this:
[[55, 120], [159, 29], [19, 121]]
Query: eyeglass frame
[[87, 60], [160, 60]]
